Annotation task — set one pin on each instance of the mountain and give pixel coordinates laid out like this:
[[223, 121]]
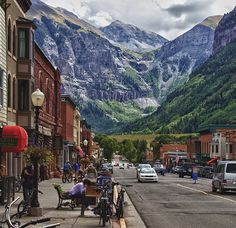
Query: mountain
[[112, 85], [208, 97], [175, 60], [132, 38]]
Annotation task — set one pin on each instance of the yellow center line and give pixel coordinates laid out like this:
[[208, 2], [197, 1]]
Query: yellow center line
[[221, 197]]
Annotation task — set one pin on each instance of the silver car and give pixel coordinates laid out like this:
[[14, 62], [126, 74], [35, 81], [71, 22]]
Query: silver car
[[147, 174], [224, 177]]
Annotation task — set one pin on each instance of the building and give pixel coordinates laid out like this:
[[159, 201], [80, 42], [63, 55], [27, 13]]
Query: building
[[172, 147], [47, 79], [20, 74], [3, 80], [68, 108]]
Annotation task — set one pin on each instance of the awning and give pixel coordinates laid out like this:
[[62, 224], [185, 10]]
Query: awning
[[79, 151], [14, 139], [213, 160]]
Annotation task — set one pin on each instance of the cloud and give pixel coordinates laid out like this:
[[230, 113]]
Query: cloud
[[169, 18]]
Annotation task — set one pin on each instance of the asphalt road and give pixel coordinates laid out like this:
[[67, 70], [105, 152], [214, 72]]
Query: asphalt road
[[176, 202]]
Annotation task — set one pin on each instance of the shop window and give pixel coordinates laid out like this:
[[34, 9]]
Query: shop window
[[14, 41], [23, 95], [23, 35], [9, 35], [9, 91]]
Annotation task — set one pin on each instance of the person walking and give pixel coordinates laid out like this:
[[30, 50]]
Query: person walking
[[76, 170], [27, 177]]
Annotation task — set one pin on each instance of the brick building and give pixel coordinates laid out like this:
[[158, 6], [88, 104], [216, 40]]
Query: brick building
[[172, 147], [86, 135], [47, 79]]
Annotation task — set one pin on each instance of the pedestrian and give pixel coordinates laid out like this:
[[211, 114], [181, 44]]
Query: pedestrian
[[27, 177], [78, 191], [67, 168], [195, 174], [76, 170], [91, 173]]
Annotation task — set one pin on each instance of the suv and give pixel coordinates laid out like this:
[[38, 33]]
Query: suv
[[186, 169], [224, 177]]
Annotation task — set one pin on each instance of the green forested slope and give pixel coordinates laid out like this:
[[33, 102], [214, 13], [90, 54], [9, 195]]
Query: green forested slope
[[208, 97]]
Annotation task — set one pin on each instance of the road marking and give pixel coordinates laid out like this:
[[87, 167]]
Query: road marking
[[205, 193], [221, 197], [193, 189]]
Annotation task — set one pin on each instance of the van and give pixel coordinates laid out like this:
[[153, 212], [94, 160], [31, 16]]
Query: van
[[224, 177]]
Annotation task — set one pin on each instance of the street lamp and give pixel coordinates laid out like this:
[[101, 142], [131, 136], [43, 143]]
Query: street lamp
[[37, 100], [85, 142]]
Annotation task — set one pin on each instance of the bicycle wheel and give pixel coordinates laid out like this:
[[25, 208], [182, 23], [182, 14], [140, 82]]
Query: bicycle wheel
[[104, 213], [22, 208], [63, 178], [70, 178]]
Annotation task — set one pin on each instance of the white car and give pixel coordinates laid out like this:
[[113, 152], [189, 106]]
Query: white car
[[147, 174]]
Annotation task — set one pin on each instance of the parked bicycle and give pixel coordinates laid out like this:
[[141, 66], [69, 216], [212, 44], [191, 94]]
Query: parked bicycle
[[119, 205], [24, 205], [7, 219]]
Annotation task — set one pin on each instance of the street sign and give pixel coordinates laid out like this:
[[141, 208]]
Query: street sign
[[8, 142]]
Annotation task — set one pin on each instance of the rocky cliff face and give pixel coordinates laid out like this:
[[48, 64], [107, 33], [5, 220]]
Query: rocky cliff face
[[108, 82], [226, 31], [175, 61], [133, 38]]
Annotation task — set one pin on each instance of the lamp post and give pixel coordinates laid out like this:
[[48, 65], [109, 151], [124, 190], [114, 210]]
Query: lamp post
[[85, 142], [37, 100]]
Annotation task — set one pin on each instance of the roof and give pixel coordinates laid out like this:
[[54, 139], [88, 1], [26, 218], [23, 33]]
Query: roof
[[213, 127], [68, 98]]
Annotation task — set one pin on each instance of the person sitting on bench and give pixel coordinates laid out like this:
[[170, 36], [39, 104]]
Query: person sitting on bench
[[78, 191]]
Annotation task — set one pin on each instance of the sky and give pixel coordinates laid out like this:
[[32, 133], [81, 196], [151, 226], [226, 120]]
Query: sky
[[168, 18]]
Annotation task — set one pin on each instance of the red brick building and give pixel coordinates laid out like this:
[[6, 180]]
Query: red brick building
[[67, 108], [172, 147], [47, 79], [86, 134]]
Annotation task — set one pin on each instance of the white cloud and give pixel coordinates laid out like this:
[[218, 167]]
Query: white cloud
[[168, 18]]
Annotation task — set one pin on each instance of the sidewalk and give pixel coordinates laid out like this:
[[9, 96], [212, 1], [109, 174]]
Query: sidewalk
[[71, 218]]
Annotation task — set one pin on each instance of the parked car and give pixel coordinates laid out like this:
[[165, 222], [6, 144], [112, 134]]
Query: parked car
[[224, 178], [186, 169], [108, 166], [140, 166], [147, 174], [159, 168], [121, 166], [176, 169], [207, 172]]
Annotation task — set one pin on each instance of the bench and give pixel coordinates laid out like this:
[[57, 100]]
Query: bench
[[63, 199], [92, 195]]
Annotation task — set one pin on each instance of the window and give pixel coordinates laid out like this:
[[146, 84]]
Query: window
[[9, 35], [23, 43], [217, 149], [231, 168], [14, 93], [231, 148], [23, 95], [14, 41], [9, 91], [1, 86]]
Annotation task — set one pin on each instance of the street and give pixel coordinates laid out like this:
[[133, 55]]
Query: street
[[177, 202]]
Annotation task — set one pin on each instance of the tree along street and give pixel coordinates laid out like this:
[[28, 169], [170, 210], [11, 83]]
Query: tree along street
[[176, 202]]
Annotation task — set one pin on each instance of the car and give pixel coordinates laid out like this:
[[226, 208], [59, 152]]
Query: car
[[176, 169], [224, 177], [186, 169], [159, 168], [121, 166], [140, 166], [147, 174], [108, 166], [207, 172]]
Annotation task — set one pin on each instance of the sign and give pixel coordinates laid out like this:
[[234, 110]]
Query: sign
[[8, 142]]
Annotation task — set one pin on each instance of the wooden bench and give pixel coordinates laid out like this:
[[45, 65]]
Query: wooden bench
[[92, 195]]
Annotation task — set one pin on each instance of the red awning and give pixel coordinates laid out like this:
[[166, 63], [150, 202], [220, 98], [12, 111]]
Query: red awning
[[213, 160], [79, 150], [14, 139]]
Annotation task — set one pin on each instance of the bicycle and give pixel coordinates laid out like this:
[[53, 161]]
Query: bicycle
[[104, 208], [24, 205], [18, 184], [119, 205], [17, 224], [67, 176]]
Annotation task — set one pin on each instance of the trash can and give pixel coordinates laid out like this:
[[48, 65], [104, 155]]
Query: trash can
[[7, 189]]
